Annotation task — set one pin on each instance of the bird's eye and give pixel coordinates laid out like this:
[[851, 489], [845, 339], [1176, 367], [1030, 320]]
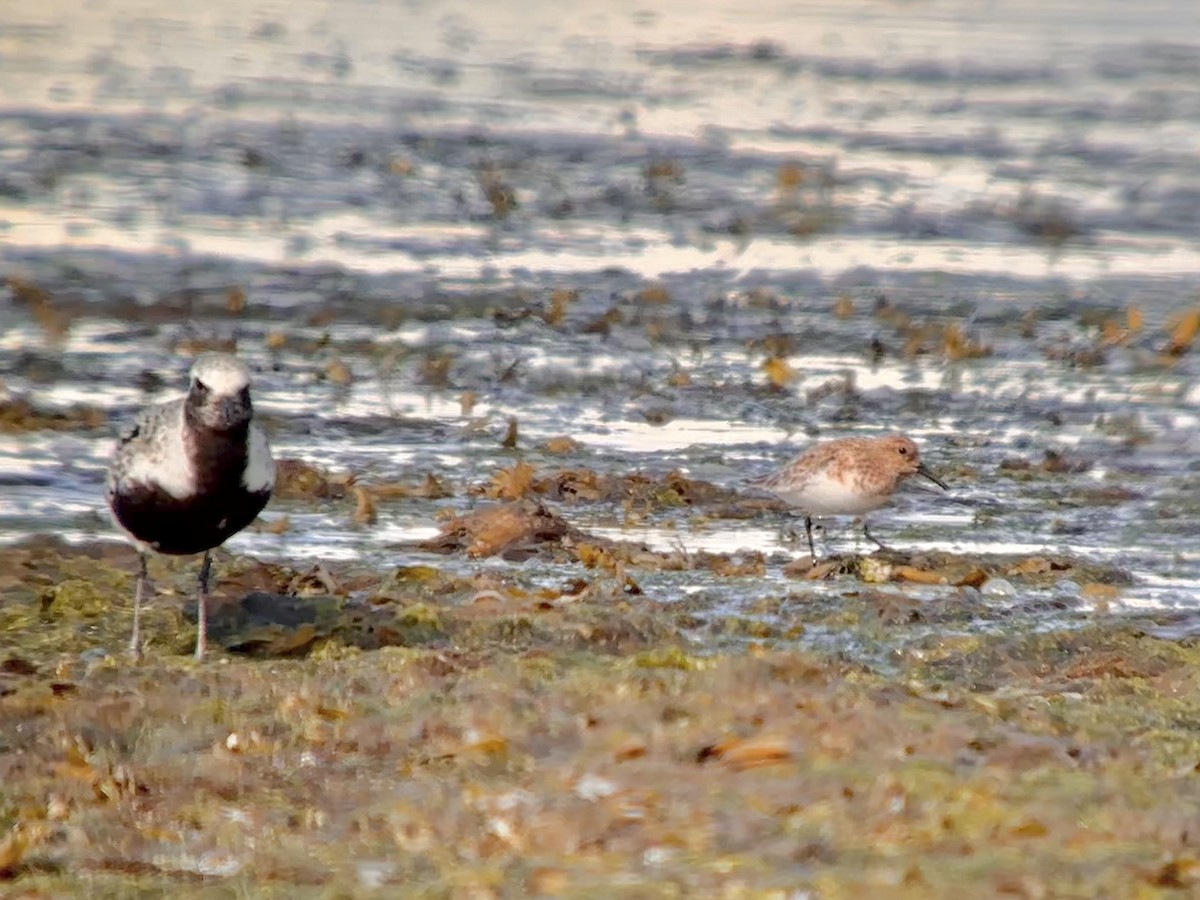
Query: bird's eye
[[200, 387], [903, 451]]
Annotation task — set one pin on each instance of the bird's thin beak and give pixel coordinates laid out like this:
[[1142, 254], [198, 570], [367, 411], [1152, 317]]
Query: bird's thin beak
[[921, 470], [233, 411]]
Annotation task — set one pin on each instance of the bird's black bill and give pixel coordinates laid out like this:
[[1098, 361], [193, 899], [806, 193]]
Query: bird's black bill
[[233, 412], [921, 470]]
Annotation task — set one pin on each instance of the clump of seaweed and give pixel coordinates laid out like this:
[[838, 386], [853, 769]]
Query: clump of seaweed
[[570, 741]]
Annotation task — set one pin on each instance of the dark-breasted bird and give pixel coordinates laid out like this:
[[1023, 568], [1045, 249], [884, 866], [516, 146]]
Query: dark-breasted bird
[[190, 473]]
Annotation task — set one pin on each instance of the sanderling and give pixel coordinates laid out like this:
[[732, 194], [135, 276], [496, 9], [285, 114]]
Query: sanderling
[[846, 477], [190, 473]]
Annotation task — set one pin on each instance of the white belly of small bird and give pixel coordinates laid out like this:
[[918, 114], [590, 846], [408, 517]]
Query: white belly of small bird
[[822, 495]]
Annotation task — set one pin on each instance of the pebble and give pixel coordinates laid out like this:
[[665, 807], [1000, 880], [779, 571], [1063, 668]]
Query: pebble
[[997, 588]]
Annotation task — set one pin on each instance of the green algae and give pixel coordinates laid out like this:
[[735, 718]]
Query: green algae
[[420, 624], [667, 658], [76, 597], [510, 742]]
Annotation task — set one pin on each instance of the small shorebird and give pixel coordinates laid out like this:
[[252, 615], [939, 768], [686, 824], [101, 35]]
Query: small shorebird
[[190, 473], [846, 477]]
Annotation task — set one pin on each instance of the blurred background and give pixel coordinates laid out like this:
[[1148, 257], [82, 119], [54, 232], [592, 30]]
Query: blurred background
[[687, 236]]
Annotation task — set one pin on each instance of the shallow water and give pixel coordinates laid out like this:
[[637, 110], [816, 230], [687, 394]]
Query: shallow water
[[384, 196]]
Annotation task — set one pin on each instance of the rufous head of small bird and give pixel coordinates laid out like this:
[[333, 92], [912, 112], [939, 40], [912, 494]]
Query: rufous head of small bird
[[909, 459]]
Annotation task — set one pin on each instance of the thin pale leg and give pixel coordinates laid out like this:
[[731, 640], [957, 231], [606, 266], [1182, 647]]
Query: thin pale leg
[[139, 597], [812, 548], [202, 606], [874, 540]]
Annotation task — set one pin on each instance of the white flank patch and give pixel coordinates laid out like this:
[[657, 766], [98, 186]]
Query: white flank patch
[[224, 375], [825, 496], [260, 467], [160, 458]]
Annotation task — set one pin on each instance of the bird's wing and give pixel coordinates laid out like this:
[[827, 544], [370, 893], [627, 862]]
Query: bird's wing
[[137, 434], [816, 459]]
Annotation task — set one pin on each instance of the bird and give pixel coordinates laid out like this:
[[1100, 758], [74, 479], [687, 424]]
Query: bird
[[848, 476], [188, 474]]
